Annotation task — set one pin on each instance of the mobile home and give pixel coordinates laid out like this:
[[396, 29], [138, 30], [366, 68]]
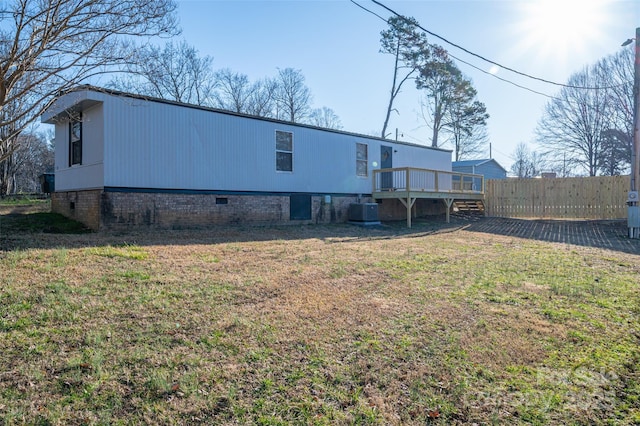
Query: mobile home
[[127, 160]]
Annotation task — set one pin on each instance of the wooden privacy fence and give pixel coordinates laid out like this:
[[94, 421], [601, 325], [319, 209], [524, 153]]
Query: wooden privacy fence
[[601, 197]]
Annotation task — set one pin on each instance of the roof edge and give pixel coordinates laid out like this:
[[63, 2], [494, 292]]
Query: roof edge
[[112, 92], [480, 162]]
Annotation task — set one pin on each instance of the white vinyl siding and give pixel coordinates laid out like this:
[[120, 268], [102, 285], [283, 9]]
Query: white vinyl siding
[[150, 144], [89, 172]]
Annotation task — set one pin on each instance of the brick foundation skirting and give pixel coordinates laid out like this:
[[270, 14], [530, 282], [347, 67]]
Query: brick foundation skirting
[[112, 210], [83, 206]]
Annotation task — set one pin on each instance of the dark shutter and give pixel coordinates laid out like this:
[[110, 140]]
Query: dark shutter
[[300, 207]]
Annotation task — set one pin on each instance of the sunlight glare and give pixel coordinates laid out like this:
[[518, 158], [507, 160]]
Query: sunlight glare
[[552, 29]]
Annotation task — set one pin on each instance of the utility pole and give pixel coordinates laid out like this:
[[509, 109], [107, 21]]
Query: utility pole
[[633, 212]]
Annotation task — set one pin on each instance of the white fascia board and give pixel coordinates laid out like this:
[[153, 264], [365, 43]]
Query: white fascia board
[[70, 102]]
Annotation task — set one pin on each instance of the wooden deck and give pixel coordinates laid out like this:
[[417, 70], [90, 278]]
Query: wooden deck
[[408, 184]]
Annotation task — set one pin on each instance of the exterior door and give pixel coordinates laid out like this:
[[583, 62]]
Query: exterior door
[[386, 162]]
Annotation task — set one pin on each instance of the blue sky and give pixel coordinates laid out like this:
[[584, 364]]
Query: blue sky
[[336, 45]]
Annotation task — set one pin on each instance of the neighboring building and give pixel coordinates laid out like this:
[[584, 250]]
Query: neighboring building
[[129, 160], [489, 168]]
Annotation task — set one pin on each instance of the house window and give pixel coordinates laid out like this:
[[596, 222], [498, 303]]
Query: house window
[[362, 160], [75, 142], [284, 151]]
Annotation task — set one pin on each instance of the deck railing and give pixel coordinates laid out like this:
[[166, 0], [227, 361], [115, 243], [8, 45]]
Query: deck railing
[[410, 179]]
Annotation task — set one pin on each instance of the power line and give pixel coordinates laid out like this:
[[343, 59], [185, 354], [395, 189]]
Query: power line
[[494, 63], [368, 10], [482, 57], [503, 79], [465, 62], [555, 98]]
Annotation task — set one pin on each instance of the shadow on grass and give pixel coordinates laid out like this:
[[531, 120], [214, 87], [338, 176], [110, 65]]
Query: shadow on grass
[[25, 230], [605, 234], [50, 230], [40, 222]]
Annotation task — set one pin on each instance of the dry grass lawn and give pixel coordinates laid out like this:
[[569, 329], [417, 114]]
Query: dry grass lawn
[[315, 325]]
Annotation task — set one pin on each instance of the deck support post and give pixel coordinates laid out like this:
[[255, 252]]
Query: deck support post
[[448, 202], [408, 203]]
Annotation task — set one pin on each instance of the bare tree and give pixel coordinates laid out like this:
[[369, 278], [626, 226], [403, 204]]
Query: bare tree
[[175, 72], [48, 46], [592, 128], [8, 167], [285, 97], [233, 91], [409, 48], [13, 125], [575, 120], [526, 164], [262, 98], [33, 157], [616, 71], [615, 153], [470, 144], [293, 97], [325, 117], [20, 171]]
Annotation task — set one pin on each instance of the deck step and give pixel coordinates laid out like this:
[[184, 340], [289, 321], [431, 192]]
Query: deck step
[[468, 206]]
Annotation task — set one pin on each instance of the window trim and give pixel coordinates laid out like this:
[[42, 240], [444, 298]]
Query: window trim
[[365, 161], [283, 151], [73, 161]]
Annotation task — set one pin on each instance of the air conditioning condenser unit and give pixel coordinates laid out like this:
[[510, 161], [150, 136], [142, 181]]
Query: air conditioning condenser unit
[[363, 212]]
